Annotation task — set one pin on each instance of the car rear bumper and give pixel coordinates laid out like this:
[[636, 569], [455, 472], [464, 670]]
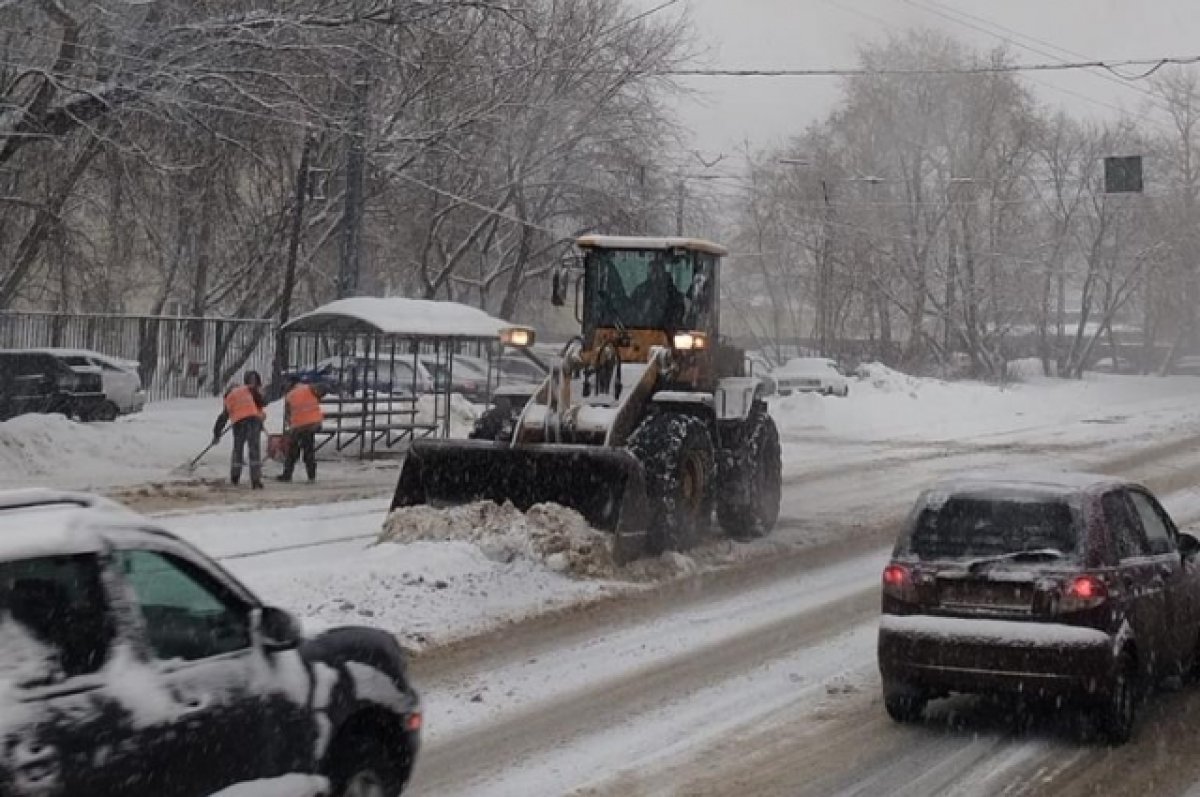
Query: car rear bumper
[[950, 654]]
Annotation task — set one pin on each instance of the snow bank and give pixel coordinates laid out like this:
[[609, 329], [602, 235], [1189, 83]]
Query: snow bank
[[885, 404], [52, 450], [548, 534], [888, 380], [286, 786]]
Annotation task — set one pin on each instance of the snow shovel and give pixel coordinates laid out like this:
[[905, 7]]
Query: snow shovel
[[190, 467]]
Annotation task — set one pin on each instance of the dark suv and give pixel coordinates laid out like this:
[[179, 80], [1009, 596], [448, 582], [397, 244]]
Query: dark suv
[[131, 664], [43, 383], [1068, 586]]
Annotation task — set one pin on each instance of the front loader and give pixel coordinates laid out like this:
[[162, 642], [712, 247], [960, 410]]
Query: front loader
[[646, 424]]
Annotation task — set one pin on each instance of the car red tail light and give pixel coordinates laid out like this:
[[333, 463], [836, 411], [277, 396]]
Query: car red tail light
[[898, 583], [1083, 592]]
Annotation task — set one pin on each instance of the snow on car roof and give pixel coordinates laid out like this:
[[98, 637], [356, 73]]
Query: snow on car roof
[[411, 318], [64, 352], [630, 242], [47, 531], [1047, 482], [38, 522]]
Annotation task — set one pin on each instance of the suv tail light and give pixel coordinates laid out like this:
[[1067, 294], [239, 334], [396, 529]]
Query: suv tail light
[[898, 583], [1083, 592]]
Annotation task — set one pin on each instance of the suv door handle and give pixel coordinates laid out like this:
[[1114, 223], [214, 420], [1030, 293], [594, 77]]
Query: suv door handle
[[192, 702]]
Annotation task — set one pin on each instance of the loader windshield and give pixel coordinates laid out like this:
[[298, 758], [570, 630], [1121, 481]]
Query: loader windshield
[[646, 289]]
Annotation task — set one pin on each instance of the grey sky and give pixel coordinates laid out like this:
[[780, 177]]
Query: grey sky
[[826, 33]]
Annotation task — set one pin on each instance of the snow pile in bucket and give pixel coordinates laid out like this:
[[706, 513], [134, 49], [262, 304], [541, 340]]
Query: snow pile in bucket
[[550, 534]]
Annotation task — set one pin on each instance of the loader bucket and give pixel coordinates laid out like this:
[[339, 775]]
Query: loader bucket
[[605, 485]]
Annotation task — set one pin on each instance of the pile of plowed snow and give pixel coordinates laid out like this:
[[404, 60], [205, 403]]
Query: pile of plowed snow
[[550, 534], [889, 380]]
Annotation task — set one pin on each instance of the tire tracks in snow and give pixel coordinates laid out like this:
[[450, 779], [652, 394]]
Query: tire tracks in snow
[[861, 750]]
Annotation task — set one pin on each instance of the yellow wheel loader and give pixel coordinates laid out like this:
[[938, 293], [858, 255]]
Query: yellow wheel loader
[[646, 424]]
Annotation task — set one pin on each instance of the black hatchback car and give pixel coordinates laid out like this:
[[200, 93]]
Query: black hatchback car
[[1069, 587], [131, 664], [41, 382]]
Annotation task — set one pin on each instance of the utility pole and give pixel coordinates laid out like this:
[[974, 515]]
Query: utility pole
[[679, 208], [289, 272], [825, 273], [352, 215]]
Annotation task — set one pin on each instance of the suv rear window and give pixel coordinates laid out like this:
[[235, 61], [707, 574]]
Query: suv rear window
[[979, 527]]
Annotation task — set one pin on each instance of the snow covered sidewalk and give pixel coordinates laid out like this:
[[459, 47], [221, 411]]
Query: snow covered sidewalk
[[322, 562]]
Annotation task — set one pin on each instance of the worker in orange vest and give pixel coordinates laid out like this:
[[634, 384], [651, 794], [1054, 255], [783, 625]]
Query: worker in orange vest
[[245, 411], [302, 417]]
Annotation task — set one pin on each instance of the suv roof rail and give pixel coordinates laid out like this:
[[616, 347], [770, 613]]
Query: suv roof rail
[[31, 497]]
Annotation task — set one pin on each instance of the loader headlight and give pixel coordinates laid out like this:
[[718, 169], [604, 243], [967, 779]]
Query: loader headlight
[[690, 341], [517, 336]]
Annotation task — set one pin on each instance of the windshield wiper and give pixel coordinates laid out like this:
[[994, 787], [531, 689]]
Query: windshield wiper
[[1037, 554]]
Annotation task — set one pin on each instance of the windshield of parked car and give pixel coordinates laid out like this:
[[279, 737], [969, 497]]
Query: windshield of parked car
[[971, 528]]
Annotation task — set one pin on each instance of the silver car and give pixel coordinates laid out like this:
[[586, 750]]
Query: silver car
[[123, 390]]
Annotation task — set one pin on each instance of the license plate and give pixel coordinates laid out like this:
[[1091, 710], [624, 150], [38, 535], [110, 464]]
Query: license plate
[[985, 593]]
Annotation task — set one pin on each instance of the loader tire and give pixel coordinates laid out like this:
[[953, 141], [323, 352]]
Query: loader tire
[[752, 484], [676, 451]]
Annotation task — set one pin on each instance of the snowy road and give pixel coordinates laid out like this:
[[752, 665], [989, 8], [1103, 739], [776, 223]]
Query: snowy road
[[763, 682], [757, 677]]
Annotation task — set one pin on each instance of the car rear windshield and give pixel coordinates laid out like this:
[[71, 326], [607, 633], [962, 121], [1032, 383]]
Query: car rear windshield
[[980, 527]]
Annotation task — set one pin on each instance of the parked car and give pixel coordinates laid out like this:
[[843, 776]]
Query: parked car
[[37, 382], [516, 368], [465, 375], [350, 375], [130, 663], [119, 378], [810, 375], [1067, 587]]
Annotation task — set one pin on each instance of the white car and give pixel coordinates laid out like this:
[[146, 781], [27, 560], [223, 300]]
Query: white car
[[123, 391], [810, 375]]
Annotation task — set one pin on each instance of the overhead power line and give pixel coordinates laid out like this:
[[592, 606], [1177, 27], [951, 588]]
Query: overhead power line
[[1149, 65]]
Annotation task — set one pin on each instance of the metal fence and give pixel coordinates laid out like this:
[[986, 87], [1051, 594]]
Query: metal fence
[[177, 357]]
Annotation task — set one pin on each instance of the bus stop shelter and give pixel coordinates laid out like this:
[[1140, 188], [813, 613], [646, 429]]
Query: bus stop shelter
[[374, 357]]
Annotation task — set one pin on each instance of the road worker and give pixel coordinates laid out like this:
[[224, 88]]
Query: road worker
[[302, 417], [245, 411]]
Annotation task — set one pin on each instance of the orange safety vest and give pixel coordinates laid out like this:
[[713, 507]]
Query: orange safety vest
[[239, 403], [304, 407]]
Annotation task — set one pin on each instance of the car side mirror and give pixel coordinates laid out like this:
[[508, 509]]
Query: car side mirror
[[279, 630], [1189, 545]]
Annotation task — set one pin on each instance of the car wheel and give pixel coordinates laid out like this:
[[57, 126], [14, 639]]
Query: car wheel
[[1118, 714], [106, 412], [904, 704], [363, 766]]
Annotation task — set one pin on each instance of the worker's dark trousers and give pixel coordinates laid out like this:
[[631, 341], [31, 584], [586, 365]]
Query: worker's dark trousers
[[247, 434], [303, 441]]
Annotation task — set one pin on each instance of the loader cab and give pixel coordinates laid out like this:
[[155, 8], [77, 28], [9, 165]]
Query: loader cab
[[640, 293]]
